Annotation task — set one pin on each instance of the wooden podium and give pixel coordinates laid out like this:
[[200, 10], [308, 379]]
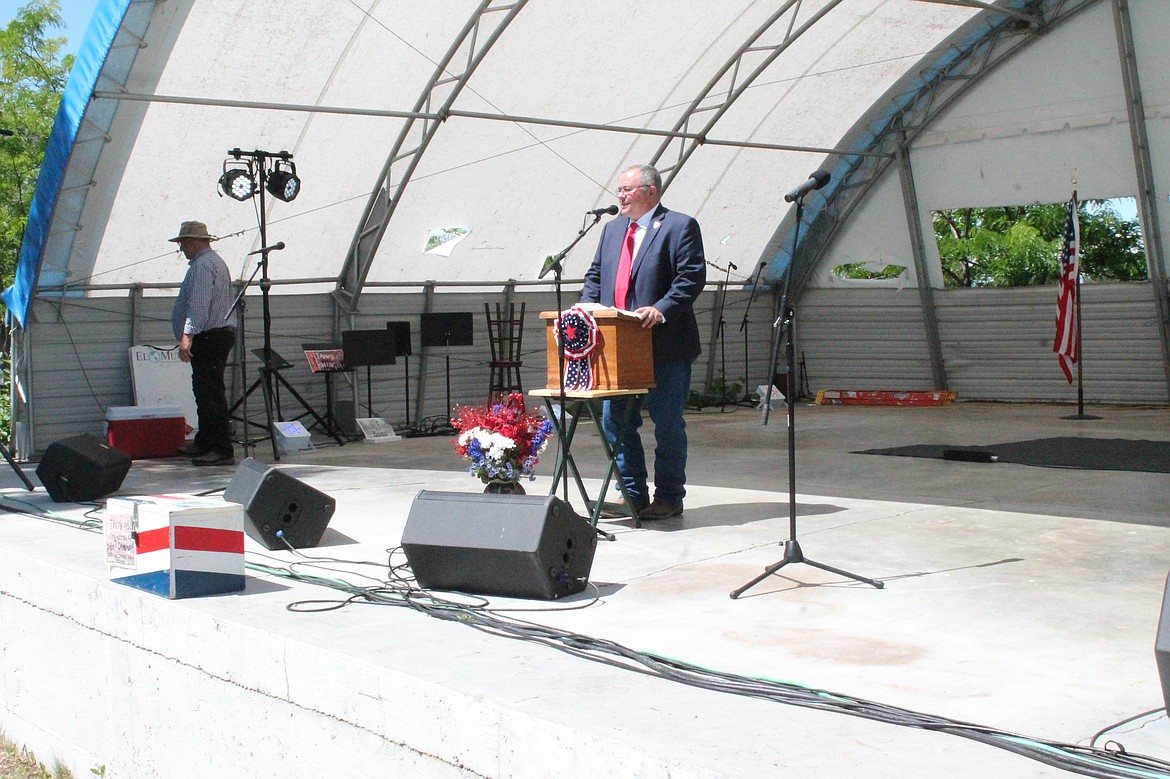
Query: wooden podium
[[623, 359]]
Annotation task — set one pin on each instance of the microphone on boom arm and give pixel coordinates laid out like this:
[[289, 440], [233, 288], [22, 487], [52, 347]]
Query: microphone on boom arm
[[608, 210], [816, 180], [270, 248]]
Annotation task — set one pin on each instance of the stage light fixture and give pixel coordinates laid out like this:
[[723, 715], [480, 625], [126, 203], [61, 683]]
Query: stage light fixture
[[237, 181], [283, 182]]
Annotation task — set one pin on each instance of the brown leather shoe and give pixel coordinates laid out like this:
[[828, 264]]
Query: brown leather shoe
[[618, 509], [660, 510], [215, 458], [192, 450]]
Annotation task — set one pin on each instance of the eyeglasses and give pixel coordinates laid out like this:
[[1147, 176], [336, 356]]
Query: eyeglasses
[[628, 190]]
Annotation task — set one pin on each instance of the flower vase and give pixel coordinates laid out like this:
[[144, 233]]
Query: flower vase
[[504, 488]]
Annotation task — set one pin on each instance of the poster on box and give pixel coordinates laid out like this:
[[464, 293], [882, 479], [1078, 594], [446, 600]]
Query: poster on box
[[160, 378], [118, 527]]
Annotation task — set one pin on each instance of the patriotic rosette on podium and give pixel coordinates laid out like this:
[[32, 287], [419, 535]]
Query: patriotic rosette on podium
[[576, 333], [176, 546]]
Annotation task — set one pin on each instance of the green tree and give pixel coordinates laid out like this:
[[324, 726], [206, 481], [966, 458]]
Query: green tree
[[1014, 246], [33, 73]]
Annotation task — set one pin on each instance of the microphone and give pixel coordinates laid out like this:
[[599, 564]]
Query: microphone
[[816, 180], [265, 249], [610, 210], [732, 265]]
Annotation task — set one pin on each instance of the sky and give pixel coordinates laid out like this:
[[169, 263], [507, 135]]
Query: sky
[[76, 14]]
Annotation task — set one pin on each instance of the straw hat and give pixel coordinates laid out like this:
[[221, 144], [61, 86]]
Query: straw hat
[[193, 230]]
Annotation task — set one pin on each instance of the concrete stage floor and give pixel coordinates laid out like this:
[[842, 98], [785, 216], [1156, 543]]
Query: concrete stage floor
[[1016, 598]]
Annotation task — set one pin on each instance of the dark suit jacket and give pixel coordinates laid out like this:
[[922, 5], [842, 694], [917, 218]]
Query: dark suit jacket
[[668, 273]]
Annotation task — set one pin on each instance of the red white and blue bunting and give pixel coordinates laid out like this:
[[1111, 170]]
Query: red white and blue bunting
[[576, 333]]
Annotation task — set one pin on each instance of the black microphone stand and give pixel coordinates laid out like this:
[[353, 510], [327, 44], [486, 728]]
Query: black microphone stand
[[719, 328], [783, 327], [554, 264], [747, 395]]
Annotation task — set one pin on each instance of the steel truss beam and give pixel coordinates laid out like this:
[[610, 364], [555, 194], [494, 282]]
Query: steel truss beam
[[485, 26], [732, 80], [984, 43], [1147, 198]]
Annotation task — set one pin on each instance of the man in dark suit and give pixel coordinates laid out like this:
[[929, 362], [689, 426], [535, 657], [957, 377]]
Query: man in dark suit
[[652, 263]]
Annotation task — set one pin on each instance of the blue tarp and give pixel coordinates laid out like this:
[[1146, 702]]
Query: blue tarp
[[95, 46]]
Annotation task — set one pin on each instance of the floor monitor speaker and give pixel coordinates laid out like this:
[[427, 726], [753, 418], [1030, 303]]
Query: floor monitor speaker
[[1162, 645], [517, 546], [82, 468], [276, 503]]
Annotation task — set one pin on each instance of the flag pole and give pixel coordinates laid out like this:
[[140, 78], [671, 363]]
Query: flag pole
[[1077, 304]]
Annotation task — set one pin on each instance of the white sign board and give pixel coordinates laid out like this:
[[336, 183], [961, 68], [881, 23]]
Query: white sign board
[[160, 378]]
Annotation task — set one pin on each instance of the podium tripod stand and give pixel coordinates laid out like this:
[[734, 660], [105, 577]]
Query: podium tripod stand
[[783, 327]]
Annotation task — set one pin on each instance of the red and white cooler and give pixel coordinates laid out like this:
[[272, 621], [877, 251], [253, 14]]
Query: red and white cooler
[[146, 431]]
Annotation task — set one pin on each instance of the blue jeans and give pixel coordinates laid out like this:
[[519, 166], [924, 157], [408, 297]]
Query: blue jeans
[[666, 403]]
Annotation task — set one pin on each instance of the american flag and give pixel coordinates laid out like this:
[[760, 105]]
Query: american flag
[[1067, 344]]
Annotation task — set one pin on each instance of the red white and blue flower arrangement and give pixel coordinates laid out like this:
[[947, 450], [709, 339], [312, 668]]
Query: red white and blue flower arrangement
[[502, 442]]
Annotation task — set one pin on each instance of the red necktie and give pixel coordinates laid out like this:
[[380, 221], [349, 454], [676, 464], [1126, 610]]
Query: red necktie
[[622, 282]]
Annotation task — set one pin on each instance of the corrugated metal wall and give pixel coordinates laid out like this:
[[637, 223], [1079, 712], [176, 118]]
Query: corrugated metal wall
[[996, 343], [77, 359]]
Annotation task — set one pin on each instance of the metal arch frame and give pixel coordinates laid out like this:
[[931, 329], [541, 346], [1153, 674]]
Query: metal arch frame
[[724, 100], [387, 191], [984, 43], [1143, 166]]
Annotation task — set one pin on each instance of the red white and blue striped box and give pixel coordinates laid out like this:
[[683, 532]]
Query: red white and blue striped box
[[177, 546]]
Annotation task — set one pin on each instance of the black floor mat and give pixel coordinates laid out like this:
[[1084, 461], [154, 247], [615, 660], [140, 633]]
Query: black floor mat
[[1103, 454]]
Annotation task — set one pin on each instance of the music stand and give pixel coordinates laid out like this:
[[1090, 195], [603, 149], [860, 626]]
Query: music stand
[[368, 348], [327, 358], [401, 331], [447, 329], [271, 364]]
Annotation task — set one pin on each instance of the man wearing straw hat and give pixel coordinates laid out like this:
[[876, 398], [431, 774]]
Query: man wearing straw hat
[[205, 337]]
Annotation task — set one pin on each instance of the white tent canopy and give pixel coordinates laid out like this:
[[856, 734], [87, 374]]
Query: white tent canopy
[[345, 88], [511, 120]]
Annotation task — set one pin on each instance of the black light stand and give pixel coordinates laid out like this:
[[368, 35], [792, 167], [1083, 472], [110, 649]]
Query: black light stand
[[553, 263], [16, 468], [783, 328], [257, 172]]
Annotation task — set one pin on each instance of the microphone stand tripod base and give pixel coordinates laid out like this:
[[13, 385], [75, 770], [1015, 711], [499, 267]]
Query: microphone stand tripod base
[[793, 554]]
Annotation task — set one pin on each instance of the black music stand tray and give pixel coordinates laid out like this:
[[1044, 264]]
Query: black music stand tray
[[327, 358], [368, 348], [447, 329], [401, 331], [271, 364]]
